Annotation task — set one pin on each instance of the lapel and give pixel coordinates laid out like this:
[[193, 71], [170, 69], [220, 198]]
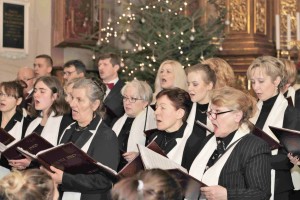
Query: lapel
[[83, 138], [115, 91]]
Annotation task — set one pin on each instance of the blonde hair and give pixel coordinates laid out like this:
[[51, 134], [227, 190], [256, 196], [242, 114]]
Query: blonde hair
[[28, 184], [235, 99], [143, 90], [154, 184], [272, 66], [224, 72], [180, 80], [291, 71]]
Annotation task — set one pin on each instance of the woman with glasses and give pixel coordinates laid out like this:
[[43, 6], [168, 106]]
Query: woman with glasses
[[267, 76], [91, 135], [172, 109], [138, 117], [201, 80], [232, 162], [51, 114], [11, 116]]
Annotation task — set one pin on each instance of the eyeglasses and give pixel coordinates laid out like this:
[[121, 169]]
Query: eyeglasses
[[131, 100], [7, 95], [27, 79], [68, 73], [214, 115]]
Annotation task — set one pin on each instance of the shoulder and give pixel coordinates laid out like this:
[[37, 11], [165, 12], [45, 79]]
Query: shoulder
[[105, 132], [250, 142]]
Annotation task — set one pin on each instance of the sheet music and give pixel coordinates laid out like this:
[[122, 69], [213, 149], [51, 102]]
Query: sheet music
[[152, 160]]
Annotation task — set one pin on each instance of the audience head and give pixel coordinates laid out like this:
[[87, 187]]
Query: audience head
[[172, 108], [11, 95], [201, 80], [48, 97], [267, 75], [224, 72], [86, 100], [291, 73], [108, 66], [154, 184], [42, 65], [27, 75], [74, 69], [28, 184], [136, 96], [229, 109]]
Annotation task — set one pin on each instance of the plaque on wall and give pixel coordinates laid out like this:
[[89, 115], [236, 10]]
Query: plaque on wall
[[14, 28]]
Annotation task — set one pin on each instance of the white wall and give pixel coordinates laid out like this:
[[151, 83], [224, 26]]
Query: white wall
[[39, 38]]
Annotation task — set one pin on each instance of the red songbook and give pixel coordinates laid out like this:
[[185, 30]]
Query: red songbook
[[5, 137], [273, 144], [289, 138], [32, 143]]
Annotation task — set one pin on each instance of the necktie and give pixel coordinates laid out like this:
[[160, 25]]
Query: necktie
[[216, 154], [110, 85]]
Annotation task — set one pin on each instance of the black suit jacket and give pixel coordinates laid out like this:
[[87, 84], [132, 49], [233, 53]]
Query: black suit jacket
[[103, 148], [247, 173], [297, 99], [280, 162], [26, 102], [114, 104]]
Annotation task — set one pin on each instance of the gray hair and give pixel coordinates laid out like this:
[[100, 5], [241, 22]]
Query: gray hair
[[95, 91], [143, 89]]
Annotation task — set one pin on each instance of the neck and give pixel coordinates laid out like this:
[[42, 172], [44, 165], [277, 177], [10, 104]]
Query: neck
[[6, 116], [175, 127], [109, 80], [86, 121], [204, 101]]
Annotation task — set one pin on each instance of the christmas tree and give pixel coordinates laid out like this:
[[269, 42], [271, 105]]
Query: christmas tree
[[145, 33]]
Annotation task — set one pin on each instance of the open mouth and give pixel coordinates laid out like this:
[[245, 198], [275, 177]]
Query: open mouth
[[163, 80]]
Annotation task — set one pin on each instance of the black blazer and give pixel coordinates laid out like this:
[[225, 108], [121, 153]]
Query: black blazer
[[247, 173], [280, 162], [297, 99], [26, 102], [114, 104], [103, 148]]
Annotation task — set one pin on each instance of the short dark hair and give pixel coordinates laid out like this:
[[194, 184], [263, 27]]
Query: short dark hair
[[180, 99], [78, 64], [47, 58], [114, 58]]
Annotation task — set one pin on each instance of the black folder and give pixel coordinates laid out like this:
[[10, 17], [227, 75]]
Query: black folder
[[289, 138], [273, 144]]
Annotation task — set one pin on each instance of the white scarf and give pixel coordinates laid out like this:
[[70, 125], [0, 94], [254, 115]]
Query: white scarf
[[275, 118], [211, 176], [50, 131], [136, 135], [16, 132], [77, 195]]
